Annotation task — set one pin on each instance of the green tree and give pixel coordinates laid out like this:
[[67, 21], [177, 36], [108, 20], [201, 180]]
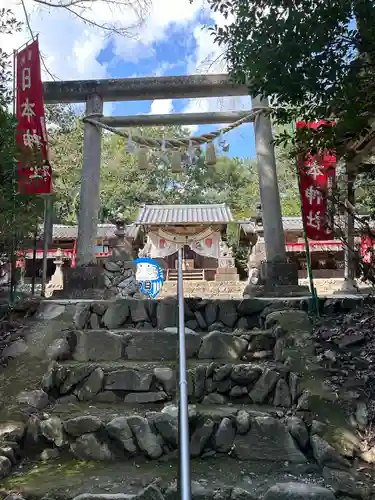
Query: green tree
[[313, 57]]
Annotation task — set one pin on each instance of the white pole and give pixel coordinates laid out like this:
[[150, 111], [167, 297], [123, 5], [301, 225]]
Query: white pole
[[185, 479]]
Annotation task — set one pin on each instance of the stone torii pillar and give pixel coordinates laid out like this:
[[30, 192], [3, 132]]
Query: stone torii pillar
[[276, 275], [86, 280], [90, 184]]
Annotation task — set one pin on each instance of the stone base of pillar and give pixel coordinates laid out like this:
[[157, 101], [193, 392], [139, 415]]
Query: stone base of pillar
[[86, 282], [226, 274], [276, 279], [348, 286]]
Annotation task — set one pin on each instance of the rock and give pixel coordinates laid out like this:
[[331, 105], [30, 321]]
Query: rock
[[107, 397], [81, 315], [318, 428], [228, 312], [198, 492], [369, 455], [192, 324], [200, 381], [298, 491], [52, 430], [241, 494], [224, 436], [59, 350], [214, 399], [91, 386], [151, 345], [128, 380], [268, 439], [128, 286], [342, 482], [278, 351], [262, 340], [290, 320], [49, 454], [15, 349], [112, 267], [242, 422], [361, 415], [216, 326], [82, 425], [242, 324], [116, 314], [326, 455], [146, 439], [36, 399], [98, 345], [166, 313], [250, 307], [7, 451], [245, 374], [99, 308], [145, 397], [238, 391], [5, 467], [166, 425], [220, 345], [282, 394], [264, 386], [352, 340], [12, 431], [119, 430], [88, 447], [174, 329], [210, 312], [167, 377], [222, 372], [94, 321], [151, 492], [66, 380], [200, 437], [304, 401], [138, 310], [295, 386], [298, 430], [200, 320]]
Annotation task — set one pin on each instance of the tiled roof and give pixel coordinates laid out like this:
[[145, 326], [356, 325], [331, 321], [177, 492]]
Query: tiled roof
[[295, 224], [105, 231], [218, 213]]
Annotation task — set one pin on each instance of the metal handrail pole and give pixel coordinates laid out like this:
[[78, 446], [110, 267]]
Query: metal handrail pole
[[185, 478]]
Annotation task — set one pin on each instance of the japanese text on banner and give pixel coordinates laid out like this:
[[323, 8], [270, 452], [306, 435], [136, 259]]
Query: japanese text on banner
[[33, 168], [316, 177]]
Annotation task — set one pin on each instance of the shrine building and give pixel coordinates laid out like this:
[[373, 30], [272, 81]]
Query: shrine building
[[200, 230]]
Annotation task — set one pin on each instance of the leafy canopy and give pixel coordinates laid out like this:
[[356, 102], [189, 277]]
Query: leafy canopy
[[315, 58]]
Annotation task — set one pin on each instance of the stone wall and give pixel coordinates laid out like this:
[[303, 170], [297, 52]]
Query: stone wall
[[243, 435], [213, 383]]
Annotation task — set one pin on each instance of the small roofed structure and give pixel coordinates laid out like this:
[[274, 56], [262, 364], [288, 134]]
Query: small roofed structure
[[199, 230], [327, 257]]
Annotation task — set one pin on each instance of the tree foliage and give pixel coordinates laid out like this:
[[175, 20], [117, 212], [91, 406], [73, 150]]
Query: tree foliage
[[313, 57]]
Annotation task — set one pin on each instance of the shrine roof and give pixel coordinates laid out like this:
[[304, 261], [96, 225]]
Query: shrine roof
[[105, 231], [295, 224], [157, 215]]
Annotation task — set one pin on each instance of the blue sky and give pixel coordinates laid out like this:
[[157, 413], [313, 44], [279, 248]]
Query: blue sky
[[170, 57]]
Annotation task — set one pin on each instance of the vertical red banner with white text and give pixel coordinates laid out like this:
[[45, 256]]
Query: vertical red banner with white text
[[33, 168], [316, 178]]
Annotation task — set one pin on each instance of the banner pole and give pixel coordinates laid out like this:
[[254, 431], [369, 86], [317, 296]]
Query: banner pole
[[46, 238], [14, 173], [314, 295]]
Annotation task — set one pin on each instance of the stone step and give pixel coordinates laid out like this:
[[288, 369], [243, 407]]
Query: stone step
[[141, 383], [152, 344], [67, 479]]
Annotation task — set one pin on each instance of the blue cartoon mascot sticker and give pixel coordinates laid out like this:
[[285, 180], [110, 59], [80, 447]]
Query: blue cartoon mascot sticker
[[150, 276]]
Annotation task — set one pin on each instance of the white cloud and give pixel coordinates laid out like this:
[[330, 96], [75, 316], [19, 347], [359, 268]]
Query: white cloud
[[161, 107]]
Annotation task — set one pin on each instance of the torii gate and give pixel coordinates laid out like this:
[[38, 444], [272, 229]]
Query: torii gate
[[95, 92]]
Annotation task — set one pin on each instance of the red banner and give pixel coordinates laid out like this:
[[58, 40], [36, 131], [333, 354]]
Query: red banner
[[33, 168], [316, 177], [367, 249]]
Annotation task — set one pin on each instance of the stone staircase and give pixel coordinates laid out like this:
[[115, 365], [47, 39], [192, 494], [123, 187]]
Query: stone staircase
[[112, 391]]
